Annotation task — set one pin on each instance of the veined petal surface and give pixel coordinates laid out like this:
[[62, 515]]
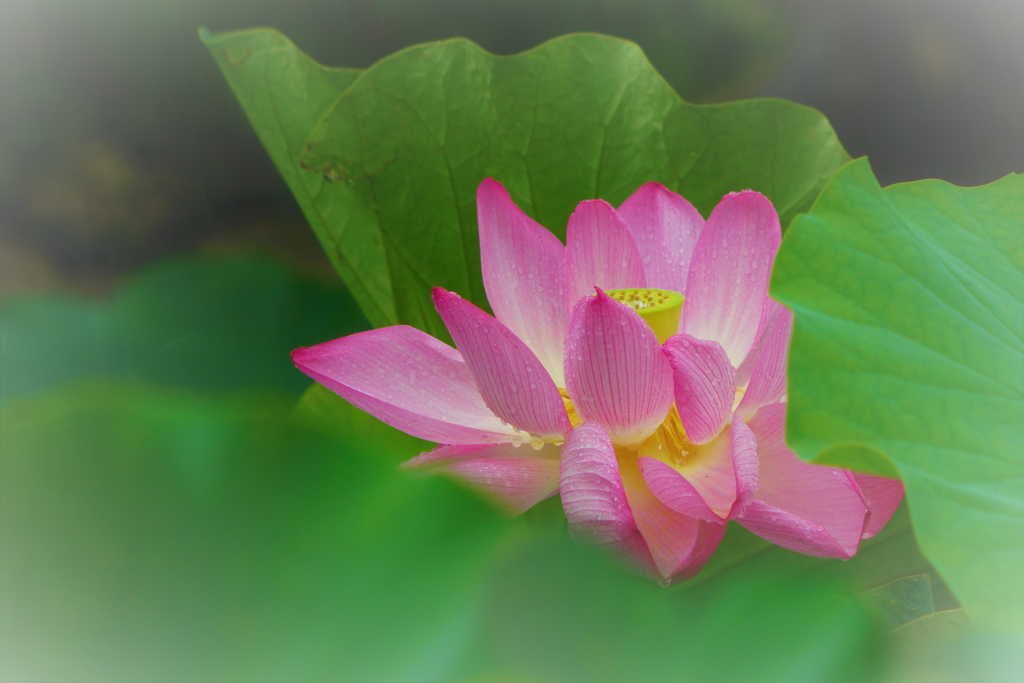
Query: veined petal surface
[[704, 385], [883, 496], [512, 381], [768, 377], [407, 379], [615, 371], [665, 228], [728, 277], [516, 478], [812, 509], [523, 267], [599, 252], [715, 483], [595, 501]]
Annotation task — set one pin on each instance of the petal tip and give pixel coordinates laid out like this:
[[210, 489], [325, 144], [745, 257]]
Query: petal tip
[[489, 184]]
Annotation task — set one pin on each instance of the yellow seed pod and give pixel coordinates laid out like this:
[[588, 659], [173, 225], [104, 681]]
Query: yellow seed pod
[[660, 308]]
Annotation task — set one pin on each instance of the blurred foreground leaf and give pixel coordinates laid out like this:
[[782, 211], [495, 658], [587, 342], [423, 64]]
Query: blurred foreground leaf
[[908, 356], [154, 534], [202, 323], [395, 155]]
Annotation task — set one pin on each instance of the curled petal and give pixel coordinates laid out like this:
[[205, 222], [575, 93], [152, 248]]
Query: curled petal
[[615, 371], [728, 278], [595, 501], [716, 482], [523, 267], [407, 379], [768, 377], [599, 252], [704, 385], [812, 509], [516, 478], [665, 228], [676, 541], [709, 535], [883, 496], [513, 383]]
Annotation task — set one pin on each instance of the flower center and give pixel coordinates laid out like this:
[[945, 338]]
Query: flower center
[[660, 308], [669, 442]]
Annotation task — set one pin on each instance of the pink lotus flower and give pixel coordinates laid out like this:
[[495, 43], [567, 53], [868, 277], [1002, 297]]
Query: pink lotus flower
[[644, 365]]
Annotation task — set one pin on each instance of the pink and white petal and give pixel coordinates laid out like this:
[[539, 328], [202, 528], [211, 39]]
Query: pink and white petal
[[599, 252], [798, 500], [883, 496], [665, 227], [674, 491], [517, 478], [513, 383], [671, 537], [447, 454], [709, 535], [768, 377], [792, 531], [517, 484], [615, 372], [594, 499], [728, 278], [523, 267], [716, 482], [746, 368], [704, 385], [407, 379]]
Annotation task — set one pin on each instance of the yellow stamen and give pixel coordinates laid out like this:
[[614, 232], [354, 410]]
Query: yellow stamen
[[669, 443], [574, 419], [660, 308]]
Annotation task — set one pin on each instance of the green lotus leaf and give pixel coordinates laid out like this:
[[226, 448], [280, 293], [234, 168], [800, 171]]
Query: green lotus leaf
[[908, 356], [395, 154], [901, 601]]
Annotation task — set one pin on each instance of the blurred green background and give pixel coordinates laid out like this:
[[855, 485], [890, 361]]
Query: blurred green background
[[168, 514]]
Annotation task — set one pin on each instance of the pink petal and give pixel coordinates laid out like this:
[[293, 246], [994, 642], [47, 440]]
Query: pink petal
[[407, 379], [672, 537], [513, 383], [516, 483], [704, 383], [444, 455], [599, 252], [716, 482], [523, 268], [883, 496], [615, 371], [709, 535], [768, 377], [594, 499], [793, 532], [728, 277], [665, 227], [516, 478], [812, 509], [746, 368]]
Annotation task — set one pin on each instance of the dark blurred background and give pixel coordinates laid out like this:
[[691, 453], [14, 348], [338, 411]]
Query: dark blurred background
[[120, 142]]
